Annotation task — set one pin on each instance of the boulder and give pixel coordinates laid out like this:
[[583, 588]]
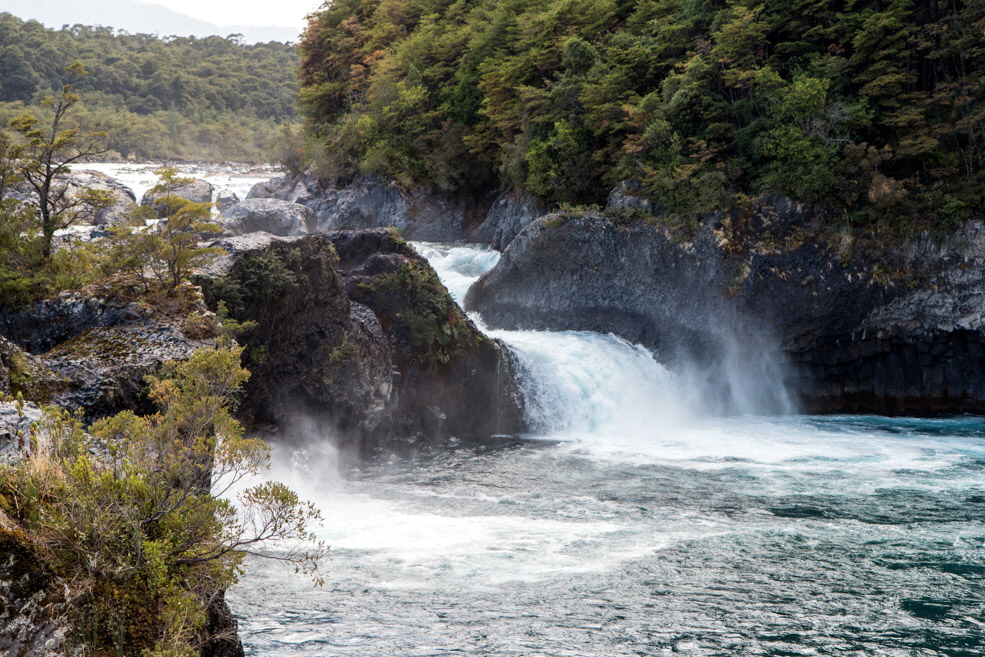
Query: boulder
[[280, 188], [268, 215], [124, 200], [226, 199], [355, 334]]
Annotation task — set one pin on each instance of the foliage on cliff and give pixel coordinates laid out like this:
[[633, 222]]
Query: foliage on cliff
[[872, 108], [132, 514], [157, 97]]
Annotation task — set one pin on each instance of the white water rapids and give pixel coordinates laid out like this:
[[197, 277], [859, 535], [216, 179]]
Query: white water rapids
[[634, 523]]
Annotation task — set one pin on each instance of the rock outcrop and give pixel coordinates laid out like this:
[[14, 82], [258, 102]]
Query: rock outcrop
[[94, 352], [510, 213], [859, 327], [124, 200], [354, 332], [420, 214], [268, 215], [33, 610], [16, 419]]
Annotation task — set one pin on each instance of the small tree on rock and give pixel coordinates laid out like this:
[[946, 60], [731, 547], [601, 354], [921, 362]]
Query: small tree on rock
[[173, 249], [43, 158]]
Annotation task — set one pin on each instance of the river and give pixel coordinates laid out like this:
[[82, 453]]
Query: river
[[634, 522]]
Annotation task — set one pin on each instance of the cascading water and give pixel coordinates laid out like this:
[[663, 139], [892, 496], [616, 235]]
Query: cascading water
[[576, 384], [640, 525]]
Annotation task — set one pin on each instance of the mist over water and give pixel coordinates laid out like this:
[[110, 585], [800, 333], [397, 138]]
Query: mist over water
[[637, 522]]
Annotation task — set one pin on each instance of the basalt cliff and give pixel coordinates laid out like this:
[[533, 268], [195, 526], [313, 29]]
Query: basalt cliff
[[851, 324]]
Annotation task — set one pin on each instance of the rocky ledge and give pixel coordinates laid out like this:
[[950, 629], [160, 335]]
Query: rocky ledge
[[851, 325], [93, 350]]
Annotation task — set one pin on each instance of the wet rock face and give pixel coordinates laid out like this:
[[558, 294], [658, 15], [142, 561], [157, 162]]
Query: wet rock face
[[349, 338], [583, 273], [268, 215], [861, 328], [910, 345]]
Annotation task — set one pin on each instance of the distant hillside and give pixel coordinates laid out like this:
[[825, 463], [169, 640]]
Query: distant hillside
[[136, 17], [213, 97]]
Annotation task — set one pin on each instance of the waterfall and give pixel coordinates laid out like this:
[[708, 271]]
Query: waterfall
[[580, 383]]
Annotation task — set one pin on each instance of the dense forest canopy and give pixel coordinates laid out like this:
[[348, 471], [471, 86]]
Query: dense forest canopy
[[873, 108], [157, 97]]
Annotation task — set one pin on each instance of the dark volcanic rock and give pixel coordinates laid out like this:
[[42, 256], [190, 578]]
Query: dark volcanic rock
[[355, 333], [269, 215], [33, 610], [220, 637], [583, 273], [94, 352], [509, 214], [861, 327], [41, 326]]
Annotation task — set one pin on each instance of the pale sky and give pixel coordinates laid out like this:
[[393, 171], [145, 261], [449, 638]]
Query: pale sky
[[286, 13]]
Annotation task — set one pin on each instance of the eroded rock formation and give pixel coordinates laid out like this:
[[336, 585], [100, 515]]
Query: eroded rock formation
[[354, 332]]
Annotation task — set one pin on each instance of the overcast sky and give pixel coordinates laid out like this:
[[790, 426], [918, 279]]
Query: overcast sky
[[287, 13]]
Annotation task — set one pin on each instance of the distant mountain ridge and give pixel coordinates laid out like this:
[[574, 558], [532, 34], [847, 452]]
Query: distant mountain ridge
[[136, 17]]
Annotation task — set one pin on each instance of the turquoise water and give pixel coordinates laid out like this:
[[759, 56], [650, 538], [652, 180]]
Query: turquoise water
[[831, 536], [632, 522]]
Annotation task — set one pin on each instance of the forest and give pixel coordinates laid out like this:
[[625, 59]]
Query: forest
[[157, 97], [870, 109]]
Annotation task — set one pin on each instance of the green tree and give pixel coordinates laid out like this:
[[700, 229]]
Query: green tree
[[19, 252], [171, 249], [136, 516], [43, 158]]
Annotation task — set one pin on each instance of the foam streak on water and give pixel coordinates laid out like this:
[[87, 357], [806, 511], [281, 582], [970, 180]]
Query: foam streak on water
[[639, 526]]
